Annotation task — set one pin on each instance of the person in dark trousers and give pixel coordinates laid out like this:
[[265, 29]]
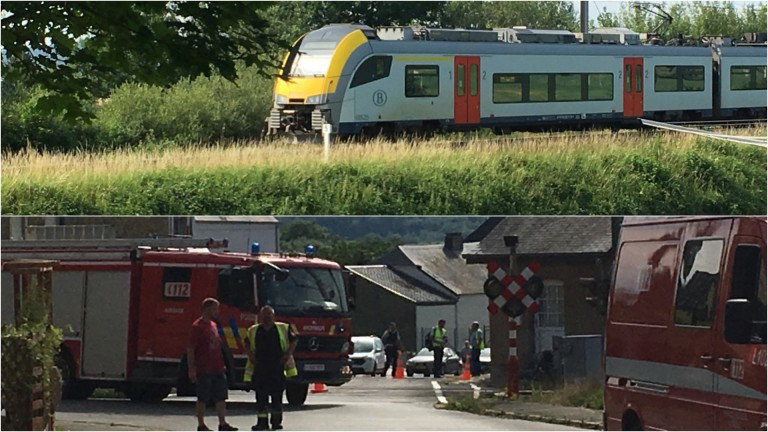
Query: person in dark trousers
[[439, 342], [392, 343], [477, 343], [270, 361], [206, 366]]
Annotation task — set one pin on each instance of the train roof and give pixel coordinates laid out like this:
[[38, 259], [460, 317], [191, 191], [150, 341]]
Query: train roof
[[490, 48], [756, 52]]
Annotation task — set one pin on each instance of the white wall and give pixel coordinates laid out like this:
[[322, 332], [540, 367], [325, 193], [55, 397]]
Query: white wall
[[472, 307], [427, 317], [240, 235]]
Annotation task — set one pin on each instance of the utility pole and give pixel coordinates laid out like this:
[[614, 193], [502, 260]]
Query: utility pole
[[584, 16]]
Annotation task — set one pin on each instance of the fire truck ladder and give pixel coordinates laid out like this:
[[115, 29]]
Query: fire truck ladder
[[149, 243]]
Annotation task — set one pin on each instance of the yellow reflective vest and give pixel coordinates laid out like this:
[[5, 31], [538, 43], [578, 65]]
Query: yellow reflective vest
[[282, 331], [438, 337]]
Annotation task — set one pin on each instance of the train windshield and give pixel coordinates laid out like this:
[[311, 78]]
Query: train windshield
[[304, 291], [311, 64]]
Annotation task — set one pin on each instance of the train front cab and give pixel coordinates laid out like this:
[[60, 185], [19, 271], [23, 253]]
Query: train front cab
[[685, 334]]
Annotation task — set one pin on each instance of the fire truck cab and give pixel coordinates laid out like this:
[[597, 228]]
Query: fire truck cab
[[685, 342], [127, 306]]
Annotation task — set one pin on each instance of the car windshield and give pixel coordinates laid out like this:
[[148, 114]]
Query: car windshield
[[363, 346], [304, 291]]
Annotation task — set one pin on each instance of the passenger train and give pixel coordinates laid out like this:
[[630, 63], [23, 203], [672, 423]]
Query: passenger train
[[352, 78]]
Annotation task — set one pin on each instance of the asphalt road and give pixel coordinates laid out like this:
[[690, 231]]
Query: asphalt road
[[366, 403]]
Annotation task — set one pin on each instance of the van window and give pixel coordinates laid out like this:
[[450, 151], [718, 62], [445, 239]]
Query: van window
[[748, 282], [697, 284]]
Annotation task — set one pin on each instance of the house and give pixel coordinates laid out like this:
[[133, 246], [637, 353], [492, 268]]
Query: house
[[415, 286], [571, 252], [241, 231]]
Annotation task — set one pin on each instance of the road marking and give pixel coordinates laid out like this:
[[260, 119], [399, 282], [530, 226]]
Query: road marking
[[439, 393]]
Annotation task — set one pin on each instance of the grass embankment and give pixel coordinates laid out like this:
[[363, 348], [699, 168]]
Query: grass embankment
[[627, 173]]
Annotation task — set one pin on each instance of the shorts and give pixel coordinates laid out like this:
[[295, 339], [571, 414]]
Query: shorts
[[212, 387]]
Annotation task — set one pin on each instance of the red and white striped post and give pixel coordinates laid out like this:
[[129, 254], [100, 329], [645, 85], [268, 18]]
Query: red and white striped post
[[513, 288]]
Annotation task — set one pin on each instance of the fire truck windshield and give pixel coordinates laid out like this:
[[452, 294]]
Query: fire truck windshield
[[304, 292]]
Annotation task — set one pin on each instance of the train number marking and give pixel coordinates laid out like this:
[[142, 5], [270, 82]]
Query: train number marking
[[737, 368], [379, 98], [177, 289]]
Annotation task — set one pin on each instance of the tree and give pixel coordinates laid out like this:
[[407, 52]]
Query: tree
[[488, 14], [72, 48]]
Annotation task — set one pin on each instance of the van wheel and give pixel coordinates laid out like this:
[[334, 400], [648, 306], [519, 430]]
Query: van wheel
[[631, 422], [296, 393], [71, 388]]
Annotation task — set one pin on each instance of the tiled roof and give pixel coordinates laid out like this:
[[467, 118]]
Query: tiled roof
[[386, 278], [546, 236], [447, 267]]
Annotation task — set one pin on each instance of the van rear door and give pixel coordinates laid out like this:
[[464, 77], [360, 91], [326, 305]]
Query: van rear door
[[740, 368]]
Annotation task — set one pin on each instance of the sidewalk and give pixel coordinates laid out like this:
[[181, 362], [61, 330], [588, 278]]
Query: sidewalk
[[494, 403]]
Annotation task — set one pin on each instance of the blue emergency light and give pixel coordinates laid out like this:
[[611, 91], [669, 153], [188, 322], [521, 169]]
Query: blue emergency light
[[309, 251], [255, 247]]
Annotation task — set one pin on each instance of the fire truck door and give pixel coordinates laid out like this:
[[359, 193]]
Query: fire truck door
[[105, 333], [68, 290]]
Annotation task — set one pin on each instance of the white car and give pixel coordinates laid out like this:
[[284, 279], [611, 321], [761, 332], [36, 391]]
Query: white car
[[368, 357]]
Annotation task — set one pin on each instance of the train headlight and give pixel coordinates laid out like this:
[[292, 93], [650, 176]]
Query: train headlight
[[281, 100], [316, 99]]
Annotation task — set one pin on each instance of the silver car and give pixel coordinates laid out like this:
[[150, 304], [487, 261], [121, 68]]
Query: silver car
[[422, 363], [368, 357]]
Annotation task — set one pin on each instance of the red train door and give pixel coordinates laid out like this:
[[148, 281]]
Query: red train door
[[466, 90], [633, 86]]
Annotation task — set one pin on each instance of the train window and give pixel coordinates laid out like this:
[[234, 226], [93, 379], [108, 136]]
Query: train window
[[422, 81], [460, 80], [473, 80], [748, 77], [691, 78], [678, 78], [372, 69], [697, 283], [639, 79], [599, 86], [508, 88], [628, 79], [538, 88], [567, 87]]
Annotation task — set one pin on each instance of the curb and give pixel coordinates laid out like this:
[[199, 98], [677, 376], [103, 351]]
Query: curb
[[544, 419]]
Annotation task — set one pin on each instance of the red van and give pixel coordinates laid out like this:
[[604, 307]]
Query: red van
[[685, 342]]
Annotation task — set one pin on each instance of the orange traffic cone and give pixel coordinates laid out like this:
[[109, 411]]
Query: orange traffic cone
[[466, 375], [400, 371], [319, 388]]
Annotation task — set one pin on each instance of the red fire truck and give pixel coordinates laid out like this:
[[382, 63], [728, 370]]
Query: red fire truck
[[685, 342], [127, 306]]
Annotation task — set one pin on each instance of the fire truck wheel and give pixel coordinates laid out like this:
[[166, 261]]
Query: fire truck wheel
[[296, 393], [149, 393], [71, 388]]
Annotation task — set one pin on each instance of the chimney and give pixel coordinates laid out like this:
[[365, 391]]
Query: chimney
[[453, 242]]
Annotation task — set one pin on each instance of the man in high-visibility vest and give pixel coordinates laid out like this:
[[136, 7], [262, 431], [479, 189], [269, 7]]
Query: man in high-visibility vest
[[270, 360], [439, 341], [477, 344]]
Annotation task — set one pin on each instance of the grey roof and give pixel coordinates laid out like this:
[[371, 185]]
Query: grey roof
[[481, 231], [236, 219], [386, 278], [447, 267], [484, 48], [547, 236]]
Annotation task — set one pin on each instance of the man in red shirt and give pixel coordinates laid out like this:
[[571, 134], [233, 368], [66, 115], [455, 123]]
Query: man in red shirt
[[206, 366]]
